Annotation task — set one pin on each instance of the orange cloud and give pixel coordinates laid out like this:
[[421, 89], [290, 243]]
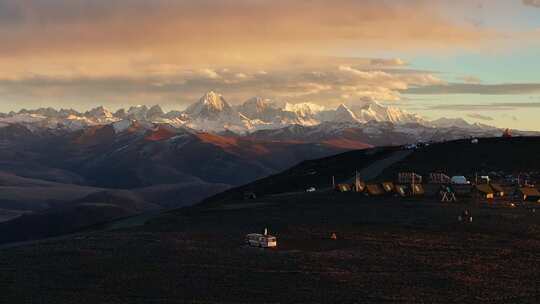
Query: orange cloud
[[105, 37]]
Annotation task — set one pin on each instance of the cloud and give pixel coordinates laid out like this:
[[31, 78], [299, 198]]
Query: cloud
[[210, 74], [471, 79], [480, 117], [172, 86], [106, 37], [388, 62], [502, 106], [482, 89], [535, 3]]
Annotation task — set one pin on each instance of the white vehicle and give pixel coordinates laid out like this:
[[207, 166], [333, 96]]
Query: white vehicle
[[474, 141], [311, 189], [261, 240], [411, 147], [460, 180]]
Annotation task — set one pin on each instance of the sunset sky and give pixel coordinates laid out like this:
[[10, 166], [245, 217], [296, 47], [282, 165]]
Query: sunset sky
[[479, 60]]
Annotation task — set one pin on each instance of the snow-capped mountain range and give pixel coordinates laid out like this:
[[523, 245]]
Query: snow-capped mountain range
[[212, 113]]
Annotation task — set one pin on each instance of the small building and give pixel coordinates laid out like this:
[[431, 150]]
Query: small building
[[529, 194], [374, 190], [388, 187], [485, 191]]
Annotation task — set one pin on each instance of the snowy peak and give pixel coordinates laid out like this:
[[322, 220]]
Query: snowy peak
[[211, 105], [374, 111], [260, 108], [304, 109], [99, 113], [344, 114], [155, 112], [212, 113]]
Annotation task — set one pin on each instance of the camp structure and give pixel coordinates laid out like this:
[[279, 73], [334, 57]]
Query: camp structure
[[459, 180], [374, 190], [439, 178], [402, 190], [498, 190], [417, 190], [261, 240], [343, 188], [529, 194], [249, 195], [485, 191], [358, 186], [409, 178], [388, 187], [447, 195], [409, 190]]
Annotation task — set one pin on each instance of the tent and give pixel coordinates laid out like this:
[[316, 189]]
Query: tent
[[409, 178], [249, 195], [343, 187], [529, 193], [402, 190], [359, 186], [388, 187], [374, 189], [417, 189], [485, 191], [439, 178]]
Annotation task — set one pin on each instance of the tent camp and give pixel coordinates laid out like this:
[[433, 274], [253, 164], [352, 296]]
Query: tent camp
[[388, 187], [343, 187], [374, 189], [485, 191], [529, 194]]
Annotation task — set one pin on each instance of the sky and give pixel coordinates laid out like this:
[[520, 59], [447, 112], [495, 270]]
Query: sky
[[474, 59]]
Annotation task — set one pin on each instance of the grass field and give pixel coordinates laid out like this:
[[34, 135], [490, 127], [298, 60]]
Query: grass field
[[387, 251]]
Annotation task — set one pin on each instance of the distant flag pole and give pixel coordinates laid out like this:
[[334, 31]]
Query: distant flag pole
[[333, 182]]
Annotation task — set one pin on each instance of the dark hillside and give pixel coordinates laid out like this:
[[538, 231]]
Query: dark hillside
[[461, 157], [311, 173]]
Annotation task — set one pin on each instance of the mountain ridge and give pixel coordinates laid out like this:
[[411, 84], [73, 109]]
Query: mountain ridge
[[212, 113]]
